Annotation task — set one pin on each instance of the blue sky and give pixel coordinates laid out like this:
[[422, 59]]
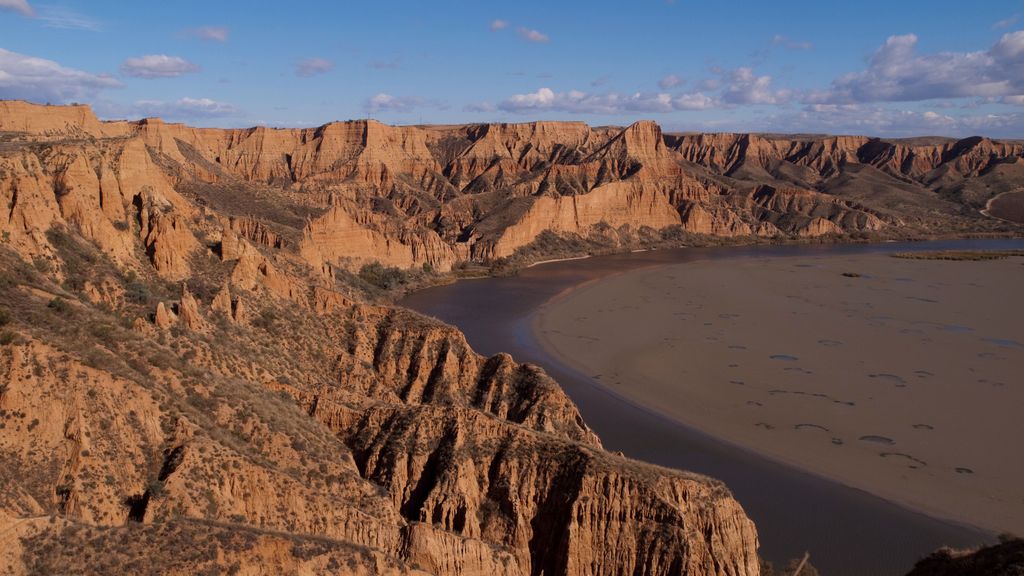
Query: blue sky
[[881, 68]]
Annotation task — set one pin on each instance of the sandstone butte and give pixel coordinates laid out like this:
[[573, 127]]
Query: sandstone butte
[[193, 376]]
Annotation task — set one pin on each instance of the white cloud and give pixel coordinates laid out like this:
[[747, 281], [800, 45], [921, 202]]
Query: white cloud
[[480, 107], [211, 33], [392, 64], [42, 80], [313, 66], [709, 84], [531, 35], [184, 109], [383, 102], [576, 102], [498, 25], [896, 73], [693, 101], [157, 66], [66, 19], [744, 87], [1006, 22], [1015, 100], [670, 81], [877, 120], [20, 6], [780, 40]]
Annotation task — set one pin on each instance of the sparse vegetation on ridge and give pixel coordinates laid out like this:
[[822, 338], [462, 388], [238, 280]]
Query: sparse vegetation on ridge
[[962, 255]]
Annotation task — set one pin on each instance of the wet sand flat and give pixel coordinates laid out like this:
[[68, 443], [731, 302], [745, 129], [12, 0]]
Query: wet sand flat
[[904, 378]]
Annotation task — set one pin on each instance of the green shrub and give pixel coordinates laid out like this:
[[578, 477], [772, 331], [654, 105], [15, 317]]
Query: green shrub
[[155, 489], [384, 277], [59, 305], [136, 292], [42, 264], [266, 319]]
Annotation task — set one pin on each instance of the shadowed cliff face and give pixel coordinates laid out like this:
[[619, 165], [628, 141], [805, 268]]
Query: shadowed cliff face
[[190, 380]]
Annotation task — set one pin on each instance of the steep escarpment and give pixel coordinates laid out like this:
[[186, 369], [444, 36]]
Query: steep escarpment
[[191, 380], [353, 192], [548, 502], [291, 423]]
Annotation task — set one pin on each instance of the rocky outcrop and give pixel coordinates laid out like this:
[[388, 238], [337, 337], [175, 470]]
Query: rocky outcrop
[[456, 446], [255, 231], [167, 238], [718, 221], [56, 121], [806, 213], [163, 317], [188, 310], [342, 239], [615, 204], [562, 510], [254, 271], [231, 308]]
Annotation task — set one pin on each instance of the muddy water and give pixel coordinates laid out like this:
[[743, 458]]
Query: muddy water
[[847, 531]]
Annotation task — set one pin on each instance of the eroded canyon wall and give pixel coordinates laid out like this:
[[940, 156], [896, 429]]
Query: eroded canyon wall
[[189, 384]]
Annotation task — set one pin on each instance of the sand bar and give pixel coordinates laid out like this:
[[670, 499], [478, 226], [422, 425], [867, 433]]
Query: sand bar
[[904, 378]]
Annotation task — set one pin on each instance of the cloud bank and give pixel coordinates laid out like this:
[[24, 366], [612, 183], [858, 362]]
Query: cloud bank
[[157, 66]]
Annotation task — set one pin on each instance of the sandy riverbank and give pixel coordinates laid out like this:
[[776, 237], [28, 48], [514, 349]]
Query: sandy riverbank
[[905, 381]]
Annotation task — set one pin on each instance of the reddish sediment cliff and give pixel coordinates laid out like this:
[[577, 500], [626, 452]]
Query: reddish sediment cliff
[[189, 380], [352, 192]]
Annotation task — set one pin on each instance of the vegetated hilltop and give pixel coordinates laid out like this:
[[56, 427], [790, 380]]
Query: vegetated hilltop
[[192, 378]]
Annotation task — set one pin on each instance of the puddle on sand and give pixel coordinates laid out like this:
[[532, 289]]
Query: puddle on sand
[[898, 381], [878, 439], [784, 357], [1004, 342], [914, 462]]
